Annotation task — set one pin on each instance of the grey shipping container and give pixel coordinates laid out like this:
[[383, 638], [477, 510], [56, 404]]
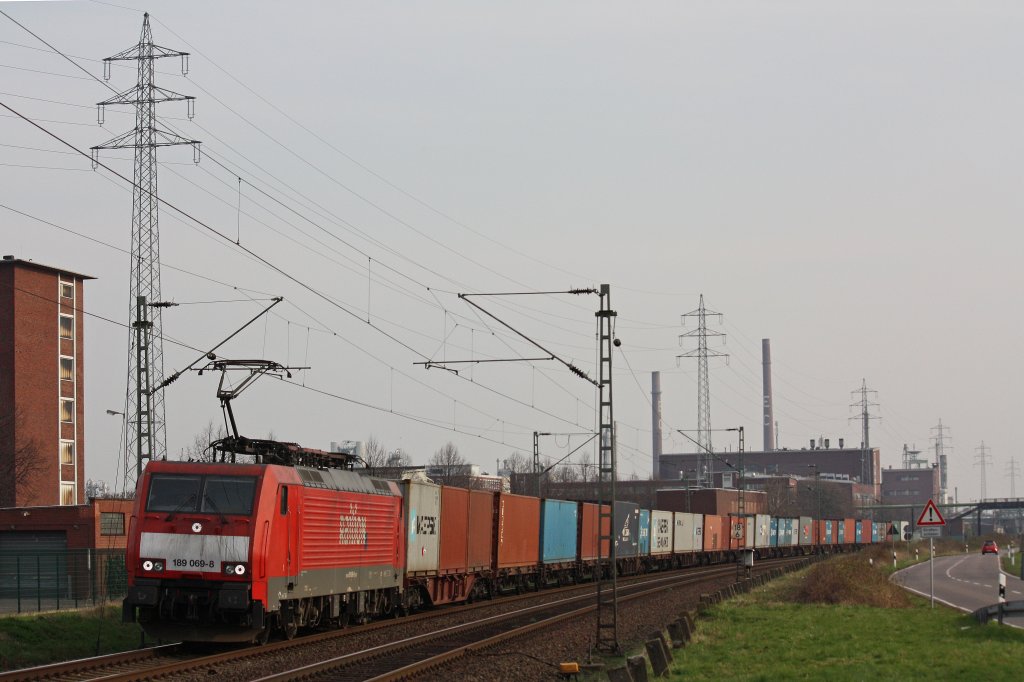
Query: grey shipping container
[[687, 536], [762, 530], [423, 527], [806, 531]]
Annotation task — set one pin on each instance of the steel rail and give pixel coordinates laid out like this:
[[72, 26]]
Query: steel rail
[[410, 646], [111, 667]]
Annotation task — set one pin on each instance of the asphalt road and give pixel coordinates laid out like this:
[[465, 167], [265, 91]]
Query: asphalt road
[[964, 581]]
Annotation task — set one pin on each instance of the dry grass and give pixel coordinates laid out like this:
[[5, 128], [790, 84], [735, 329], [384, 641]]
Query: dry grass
[[850, 580]]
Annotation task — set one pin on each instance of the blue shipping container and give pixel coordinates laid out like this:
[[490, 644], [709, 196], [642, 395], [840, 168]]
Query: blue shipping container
[[645, 532], [874, 532], [859, 531], [842, 532], [558, 531], [626, 529], [774, 530]]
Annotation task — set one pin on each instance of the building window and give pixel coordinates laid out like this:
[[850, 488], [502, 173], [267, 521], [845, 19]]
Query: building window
[[67, 290], [67, 369], [67, 452], [111, 523], [67, 410], [67, 493], [67, 327]]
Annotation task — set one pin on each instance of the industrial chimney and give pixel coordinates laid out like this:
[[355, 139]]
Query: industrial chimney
[[656, 425], [769, 418]]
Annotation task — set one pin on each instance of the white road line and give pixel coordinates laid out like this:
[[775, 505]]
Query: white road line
[[954, 566]]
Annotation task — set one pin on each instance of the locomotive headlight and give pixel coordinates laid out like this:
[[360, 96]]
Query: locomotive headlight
[[153, 565], [158, 565], [147, 565], [234, 568]]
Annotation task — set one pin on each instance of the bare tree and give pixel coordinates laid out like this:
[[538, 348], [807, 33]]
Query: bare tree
[[588, 470], [518, 463], [199, 450], [375, 455], [781, 496], [19, 460], [565, 473], [450, 465]]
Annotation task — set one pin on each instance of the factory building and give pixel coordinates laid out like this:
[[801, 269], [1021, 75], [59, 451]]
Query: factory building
[[858, 466]]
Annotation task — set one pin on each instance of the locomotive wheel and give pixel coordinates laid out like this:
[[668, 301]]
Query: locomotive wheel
[[290, 629], [263, 637]]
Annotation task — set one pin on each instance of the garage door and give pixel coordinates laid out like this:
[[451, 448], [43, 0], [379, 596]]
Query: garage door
[[33, 564]]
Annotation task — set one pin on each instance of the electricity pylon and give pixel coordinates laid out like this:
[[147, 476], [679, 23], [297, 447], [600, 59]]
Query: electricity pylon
[[145, 436]]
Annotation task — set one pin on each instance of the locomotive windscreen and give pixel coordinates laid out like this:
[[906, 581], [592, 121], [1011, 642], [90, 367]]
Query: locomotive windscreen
[[228, 494], [209, 494]]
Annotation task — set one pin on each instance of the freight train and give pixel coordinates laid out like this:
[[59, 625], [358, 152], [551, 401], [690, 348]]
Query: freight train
[[229, 552]]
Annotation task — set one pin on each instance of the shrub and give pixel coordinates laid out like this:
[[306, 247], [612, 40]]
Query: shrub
[[849, 580]]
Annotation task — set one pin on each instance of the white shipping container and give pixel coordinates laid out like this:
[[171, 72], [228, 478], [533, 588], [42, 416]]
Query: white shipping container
[[762, 530], [688, 535], [423, 526], [661, 532]]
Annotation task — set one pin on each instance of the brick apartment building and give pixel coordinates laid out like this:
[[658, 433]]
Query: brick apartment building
[[42, 385]]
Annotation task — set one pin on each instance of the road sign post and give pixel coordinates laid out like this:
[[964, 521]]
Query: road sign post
[[931, 523]]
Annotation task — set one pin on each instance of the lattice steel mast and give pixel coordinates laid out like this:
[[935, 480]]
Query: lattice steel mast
[[865, 416], [145, 436], [702, 353], [983, 460], [607, 583]]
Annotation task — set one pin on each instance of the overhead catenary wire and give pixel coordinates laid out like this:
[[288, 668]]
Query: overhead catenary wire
[[545, 374]]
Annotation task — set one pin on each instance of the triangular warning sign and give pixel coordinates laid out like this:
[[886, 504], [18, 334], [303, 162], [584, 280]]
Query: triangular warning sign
[[931, 516]]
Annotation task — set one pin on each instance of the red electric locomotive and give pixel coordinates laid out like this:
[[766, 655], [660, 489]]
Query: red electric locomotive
[[228, 551]]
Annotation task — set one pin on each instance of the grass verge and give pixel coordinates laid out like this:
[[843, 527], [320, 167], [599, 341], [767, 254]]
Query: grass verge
[[38, 639], [767, 635], [1014, 568]]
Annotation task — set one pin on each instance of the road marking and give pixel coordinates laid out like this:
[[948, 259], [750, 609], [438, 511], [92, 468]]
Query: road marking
[[954, 566]]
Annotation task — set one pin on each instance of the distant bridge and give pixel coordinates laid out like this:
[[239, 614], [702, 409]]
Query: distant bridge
[[957, 511]]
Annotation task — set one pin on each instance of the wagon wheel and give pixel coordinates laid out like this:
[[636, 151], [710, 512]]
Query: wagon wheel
[[290, 629], [263, 636]]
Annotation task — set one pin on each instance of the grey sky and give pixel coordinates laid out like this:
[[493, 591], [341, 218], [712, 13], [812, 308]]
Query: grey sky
[[842, 178]]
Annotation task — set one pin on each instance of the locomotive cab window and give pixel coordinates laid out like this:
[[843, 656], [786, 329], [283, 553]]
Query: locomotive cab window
[[207, 494], [173, 493], [228, 494]]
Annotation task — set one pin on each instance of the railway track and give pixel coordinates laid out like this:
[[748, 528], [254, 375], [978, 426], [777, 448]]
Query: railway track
[[411, 657], [171, 660]]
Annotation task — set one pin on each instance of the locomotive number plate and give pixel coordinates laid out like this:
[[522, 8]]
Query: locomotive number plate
[[193, 563]]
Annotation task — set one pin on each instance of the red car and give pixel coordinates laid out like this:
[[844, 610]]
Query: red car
[[990, 547]]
